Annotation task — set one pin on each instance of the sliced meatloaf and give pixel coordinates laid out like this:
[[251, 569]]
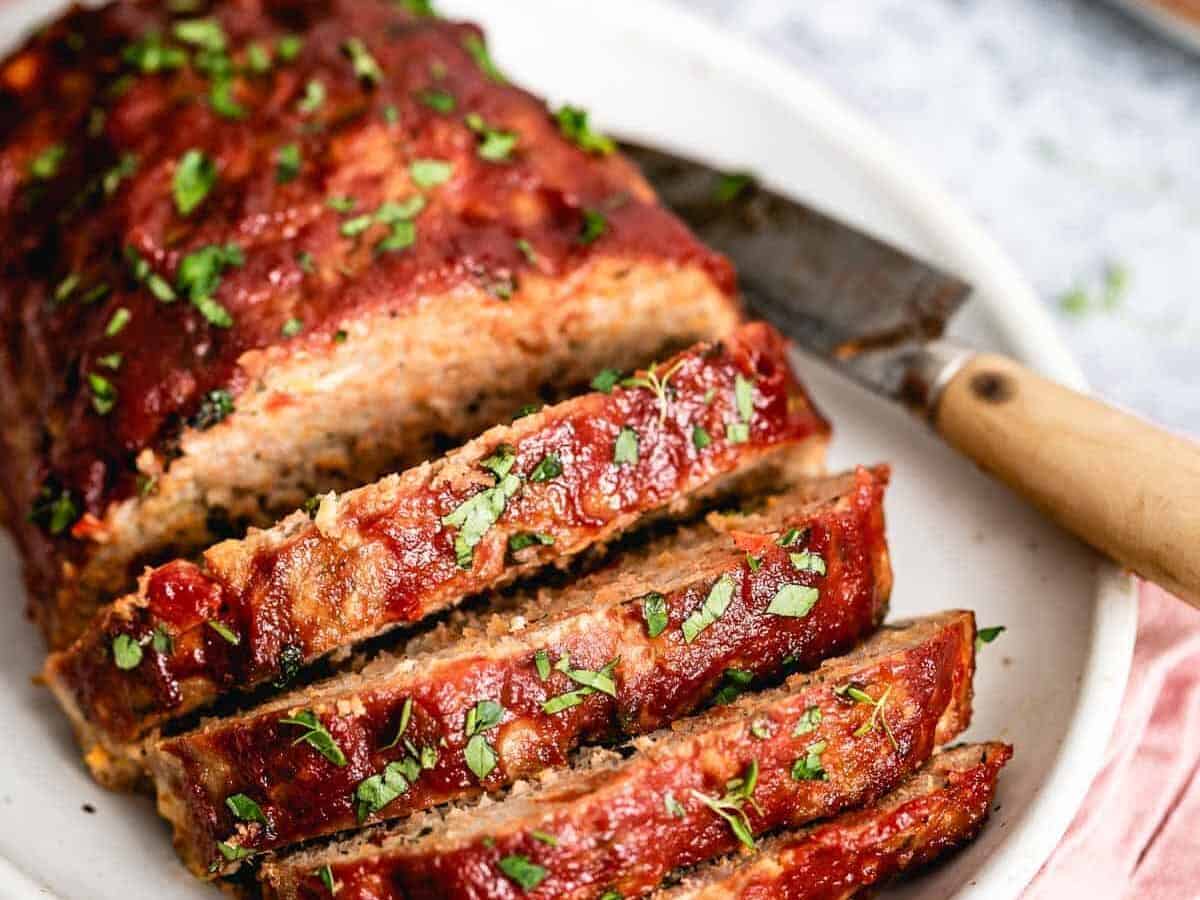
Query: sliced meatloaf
[[624, 651], [934, 812], [841, 737], [563, 479], [273, 248]]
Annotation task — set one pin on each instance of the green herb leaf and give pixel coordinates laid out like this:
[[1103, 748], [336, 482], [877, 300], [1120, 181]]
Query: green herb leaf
[[606, 380], [161, 641], [475, 515], [111, 179], [357, 225], [441, 101], [806, 561], [405, 718], [625, 450], [483, 715], [743, 393], [195, 175], [525, 873], [245, 808], [521, 540], [478, 49], [206, 34], [760, 729], [288, 663], [377, 791], [288, 47], [325, 874], [151, 55], [789, 537], [429, 173], [117, 323], [341, 204], [878, 710], [232, 853], [46, 164], [735, 684], [500, 463], [316, 736], [573, 123], [548, 468], [104, 395], [730, 807], [291, 327], [809, 720], [794, 600], [673, 806], [987, 635], [544, 837], [221, 99], [713, 608], [541, 661], [592, 682], [737, 432], [140, 269], [224, 631], [110, 361], [654, 611], [258, 59], [366, 69], [481, 758], [314, 97], [216, 406], [594, 224], [54, 509], [402, 236], [287, 163], [127, 653], [809, 766], [199, 277], [732, 185], [700, 438]]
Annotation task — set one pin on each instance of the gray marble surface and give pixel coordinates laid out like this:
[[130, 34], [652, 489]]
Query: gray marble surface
[[1069, 130]]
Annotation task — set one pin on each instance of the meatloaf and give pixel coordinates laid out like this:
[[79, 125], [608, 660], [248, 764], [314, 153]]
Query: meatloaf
[[562, 479], [841, 737], [935, 811], [623, 651], [275, 248]]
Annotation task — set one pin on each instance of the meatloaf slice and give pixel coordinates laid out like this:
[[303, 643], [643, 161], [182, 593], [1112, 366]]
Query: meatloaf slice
[[935, 811], [275, 248], [566, 478], [841, 737], [607, 656]]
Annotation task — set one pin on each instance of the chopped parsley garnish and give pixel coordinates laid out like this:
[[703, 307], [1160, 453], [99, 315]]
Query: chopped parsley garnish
[[590, 682], [366, 69], [405, 718], [878, 710], [228, 634], [195, 175], [288, 47], [807, 561], [287, 163], [221, 99], [987, 635], [206, 34], [761, 729], [480, 755], [288, 662], [527, 251], [54, 509], [606, 380], [735, 684], [573, 123], [232, 853], [700, 438], [341, 204], [673, 806], [737, 432], [809, 720], [659, 385], [594, 224], [474, 516], [526, 874], [548, 468], [743, 393], [441, 101], [541, 662], [357, 225], [150, 55], [428, 173], [304, 260], [111, 179], [527, 410], [127, 653], [753, 561], [422, 8], [110, 361], [523, 539], [809, 766], [731, 806], [325, 874], [314, 97], [495, 145], [216, 406], [65, 288], [340, 336], [544, 837], [625, 450], [199, 277], [795, 600], [120, 318], [398, 210], [161, 641], [47, 163], [731, 185], [377, 791], [479, 52], [104, 394], [245, 808], [291, 327], [654, 611], [710, 610], [140, 269], [789, 537], [316, 736], [258, 59]]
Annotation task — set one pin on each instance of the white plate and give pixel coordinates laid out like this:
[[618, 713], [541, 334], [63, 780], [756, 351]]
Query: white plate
[[1182, 28], [1051, 685]]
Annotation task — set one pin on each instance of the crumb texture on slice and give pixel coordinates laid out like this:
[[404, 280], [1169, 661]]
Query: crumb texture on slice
[[825, 742], [565, 478], [609, 655], [256, 250], [934, 812]]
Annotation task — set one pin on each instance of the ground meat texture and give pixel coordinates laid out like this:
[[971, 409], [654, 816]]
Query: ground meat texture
[[286, 248], [578, 474], [624, 622], [936, 811], [808, 750]]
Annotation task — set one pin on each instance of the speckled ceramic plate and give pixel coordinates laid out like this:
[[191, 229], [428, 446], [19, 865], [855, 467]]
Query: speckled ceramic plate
[[1177, 19], [1051, 684]]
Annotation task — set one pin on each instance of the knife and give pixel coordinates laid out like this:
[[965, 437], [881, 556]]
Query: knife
[[1123, 485]]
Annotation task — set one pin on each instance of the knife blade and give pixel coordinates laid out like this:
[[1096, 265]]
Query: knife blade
[[853, 300]]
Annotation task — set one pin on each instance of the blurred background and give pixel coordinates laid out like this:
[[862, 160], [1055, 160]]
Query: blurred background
[[1068, 127]]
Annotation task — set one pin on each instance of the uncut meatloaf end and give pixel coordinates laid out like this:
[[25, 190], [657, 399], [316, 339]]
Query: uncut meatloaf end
[[569, 477], [780, 758], [403, 715], [231, 284], [933, 813]]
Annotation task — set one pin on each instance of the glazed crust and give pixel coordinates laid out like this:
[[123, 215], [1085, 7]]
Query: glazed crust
[[391, 553], [938, 810], [601, 619], [98, 114], [612, 826]]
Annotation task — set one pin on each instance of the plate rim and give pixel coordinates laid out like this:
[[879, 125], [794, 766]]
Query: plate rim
[[1025, 324]]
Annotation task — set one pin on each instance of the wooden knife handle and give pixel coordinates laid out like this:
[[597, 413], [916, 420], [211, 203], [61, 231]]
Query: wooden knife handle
[[1123, 485]]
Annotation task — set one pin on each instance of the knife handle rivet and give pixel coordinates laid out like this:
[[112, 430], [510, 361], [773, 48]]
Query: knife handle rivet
[[993, 387]]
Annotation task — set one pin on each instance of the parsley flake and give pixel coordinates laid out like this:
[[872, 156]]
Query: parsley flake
[[573, 123], [700, 438], [523, 539], [479, 52], [216, 406], [495, 145], [795, 600], [654, 611], [673, 806], [549, 468], [809, 720], [127, 653], [228, 634], [54, 509], [625, 450], [428, 173], [594, 224], [713, 607], [440, 101], [526, 874], [287, 163], [46, 164], [731, 806], [314, 97], [325, 874], [605, 381], [987, 635], [807, 561], [316, 736], [104, 394], [377, 791], [195, 175], [245, 808], [479, 754], [735, 684], [809, 767], [366, 69], [117, 323], [878, 710]]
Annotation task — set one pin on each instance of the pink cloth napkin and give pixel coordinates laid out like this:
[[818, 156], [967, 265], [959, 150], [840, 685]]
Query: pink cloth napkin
[[1138, 832]]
